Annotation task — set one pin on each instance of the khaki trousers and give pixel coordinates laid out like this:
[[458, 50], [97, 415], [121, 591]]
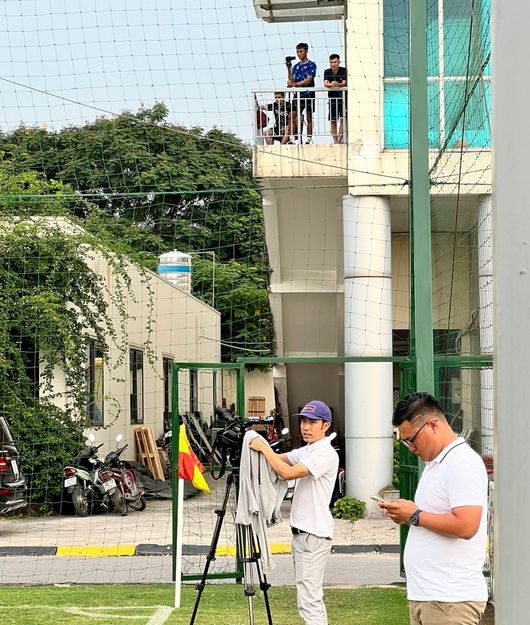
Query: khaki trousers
[[446, 613], [310, 554]]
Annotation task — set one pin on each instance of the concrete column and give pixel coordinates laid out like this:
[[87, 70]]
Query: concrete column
[[511, 223], [485, 286], [367, 332]]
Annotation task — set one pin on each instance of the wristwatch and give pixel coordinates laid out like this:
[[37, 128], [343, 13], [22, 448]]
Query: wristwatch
[[415, 517]]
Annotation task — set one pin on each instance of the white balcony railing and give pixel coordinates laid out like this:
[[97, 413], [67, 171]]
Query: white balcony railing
[[289, 120]]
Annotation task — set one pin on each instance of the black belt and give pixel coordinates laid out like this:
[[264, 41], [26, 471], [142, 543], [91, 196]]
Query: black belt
[[295, 531]]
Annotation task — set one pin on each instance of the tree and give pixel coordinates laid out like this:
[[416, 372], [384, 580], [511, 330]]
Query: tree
[[158, 187], [51, 300]]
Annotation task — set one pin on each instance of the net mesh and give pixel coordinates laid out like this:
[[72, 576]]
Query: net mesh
[[165, 198]]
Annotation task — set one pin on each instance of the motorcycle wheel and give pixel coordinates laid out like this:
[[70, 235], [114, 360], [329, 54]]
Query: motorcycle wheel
[[80, 501], [138, 504], [118, 501]]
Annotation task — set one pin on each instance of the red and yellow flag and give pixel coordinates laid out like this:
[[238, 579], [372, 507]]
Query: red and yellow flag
[[189, 466]]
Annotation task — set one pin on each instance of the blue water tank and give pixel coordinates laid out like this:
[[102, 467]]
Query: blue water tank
[[175, 267]]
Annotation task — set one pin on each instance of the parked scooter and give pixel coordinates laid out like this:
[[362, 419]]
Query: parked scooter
[[89, 483], [79, 479], [125, 477]]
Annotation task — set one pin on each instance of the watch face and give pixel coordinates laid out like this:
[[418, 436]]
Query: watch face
[[415, 518]]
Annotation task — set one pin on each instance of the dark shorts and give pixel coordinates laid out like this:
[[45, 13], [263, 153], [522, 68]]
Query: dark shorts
[[336, 109], [302, 104], [278, 133]]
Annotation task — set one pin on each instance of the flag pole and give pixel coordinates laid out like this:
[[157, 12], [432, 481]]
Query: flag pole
[[178, 543]]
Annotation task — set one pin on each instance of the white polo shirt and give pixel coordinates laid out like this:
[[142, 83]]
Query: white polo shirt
[[443, 568], [310, 507]]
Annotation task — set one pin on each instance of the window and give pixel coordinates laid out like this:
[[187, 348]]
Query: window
[[167, 365], [136, 371], [95, 378], [458, 45]]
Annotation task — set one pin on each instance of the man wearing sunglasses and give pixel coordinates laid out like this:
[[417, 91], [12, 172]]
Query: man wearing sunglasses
[[445, 548]]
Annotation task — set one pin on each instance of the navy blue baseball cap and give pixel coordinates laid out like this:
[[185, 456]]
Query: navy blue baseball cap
[[315, 410]]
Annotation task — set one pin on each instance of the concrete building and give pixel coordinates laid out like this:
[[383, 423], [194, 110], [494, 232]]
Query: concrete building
[[158, 324], [337, 227]]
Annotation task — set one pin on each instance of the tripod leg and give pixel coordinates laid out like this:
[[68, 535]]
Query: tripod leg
[[255, 551], [245, 556], [213, 546]]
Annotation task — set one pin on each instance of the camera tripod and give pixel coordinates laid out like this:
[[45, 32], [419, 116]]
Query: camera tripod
[[247, 551]]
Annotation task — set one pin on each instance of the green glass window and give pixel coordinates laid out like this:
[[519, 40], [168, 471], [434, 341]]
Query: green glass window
[[473, 126], [457, 47], [396, 110]]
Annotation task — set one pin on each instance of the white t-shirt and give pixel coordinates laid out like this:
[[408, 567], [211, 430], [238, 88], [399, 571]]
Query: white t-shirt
[[310, 507], [443, 568]]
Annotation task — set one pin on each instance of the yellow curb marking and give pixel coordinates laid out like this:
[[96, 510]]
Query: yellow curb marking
[[97, 551], [276, 548]]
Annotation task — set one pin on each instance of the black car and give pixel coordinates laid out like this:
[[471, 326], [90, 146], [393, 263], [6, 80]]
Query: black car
[[12, 483]]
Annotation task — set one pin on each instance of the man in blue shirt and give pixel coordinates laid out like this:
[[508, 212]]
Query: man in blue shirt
[[302, 75]]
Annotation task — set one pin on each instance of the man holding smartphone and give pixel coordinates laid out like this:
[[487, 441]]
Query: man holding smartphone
[[314, 467], [446, 544]]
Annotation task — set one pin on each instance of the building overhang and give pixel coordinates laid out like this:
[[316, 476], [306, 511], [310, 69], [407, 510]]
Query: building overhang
[[299, 10]]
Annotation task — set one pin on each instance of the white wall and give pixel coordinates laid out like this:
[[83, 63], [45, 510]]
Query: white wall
[[176, 325]]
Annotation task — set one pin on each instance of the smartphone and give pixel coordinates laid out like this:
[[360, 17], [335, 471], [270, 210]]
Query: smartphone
[[378, 499]]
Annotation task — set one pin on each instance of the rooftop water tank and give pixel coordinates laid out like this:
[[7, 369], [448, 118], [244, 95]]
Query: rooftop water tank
[[175, 267]]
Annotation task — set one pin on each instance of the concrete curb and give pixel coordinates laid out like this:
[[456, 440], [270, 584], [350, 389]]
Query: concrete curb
[[100, 551]]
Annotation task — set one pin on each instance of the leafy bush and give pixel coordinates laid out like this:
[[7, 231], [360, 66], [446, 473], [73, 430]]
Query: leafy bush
[[349, 508], [47, 439]]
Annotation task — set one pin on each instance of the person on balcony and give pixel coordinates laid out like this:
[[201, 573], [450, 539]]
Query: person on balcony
[[281, 109], [302, 75], [336, 76]]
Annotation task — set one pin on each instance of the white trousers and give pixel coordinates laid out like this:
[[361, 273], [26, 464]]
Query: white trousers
[[310, 554]]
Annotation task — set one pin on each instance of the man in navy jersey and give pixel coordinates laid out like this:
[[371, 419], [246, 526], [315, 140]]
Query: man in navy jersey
[[302, 75]]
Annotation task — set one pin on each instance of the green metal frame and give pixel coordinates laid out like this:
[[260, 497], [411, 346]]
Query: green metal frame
[[175, 424], [409, 464], [420, 211]]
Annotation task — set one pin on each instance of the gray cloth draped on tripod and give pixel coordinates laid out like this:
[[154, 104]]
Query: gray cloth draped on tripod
[[261, 493]]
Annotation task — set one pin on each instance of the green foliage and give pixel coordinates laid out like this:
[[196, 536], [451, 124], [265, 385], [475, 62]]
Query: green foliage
[[396, 464], [47, 439], [144, 187], [349, 508], [51, 300]]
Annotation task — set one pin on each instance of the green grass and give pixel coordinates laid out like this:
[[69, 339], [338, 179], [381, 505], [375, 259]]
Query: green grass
[[220, 605]]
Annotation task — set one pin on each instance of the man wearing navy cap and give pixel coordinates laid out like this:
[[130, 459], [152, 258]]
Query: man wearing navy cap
[[314, 467]]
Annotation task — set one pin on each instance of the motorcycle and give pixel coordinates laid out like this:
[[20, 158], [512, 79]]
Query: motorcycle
[[125, 477], [79, 479], [88, 483]]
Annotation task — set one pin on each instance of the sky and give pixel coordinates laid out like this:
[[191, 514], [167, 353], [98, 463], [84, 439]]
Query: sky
[[66, 62]]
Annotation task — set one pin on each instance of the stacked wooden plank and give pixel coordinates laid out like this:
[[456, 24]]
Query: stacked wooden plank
[[147, 451]]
